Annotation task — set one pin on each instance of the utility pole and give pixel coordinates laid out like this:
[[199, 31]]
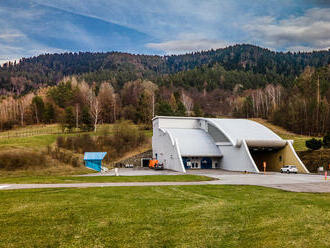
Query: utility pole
[[114, 107], [153, 104], [318, 90], [77, 116], [318, 103]]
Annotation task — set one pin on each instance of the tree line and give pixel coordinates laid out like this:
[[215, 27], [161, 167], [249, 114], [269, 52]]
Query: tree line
[[49, 69], [240, 81]]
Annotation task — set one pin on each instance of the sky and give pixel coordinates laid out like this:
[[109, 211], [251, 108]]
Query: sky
[[29, 28]]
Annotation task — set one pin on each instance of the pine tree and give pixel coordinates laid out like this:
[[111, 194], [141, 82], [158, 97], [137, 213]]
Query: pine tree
[[86, 120], [197, 110], [164, 109], [49, 113], [143, 110], [69, 118], [181, 110]]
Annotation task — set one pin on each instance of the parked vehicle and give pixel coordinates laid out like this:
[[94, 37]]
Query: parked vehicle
[[289, 169], [153, 164]]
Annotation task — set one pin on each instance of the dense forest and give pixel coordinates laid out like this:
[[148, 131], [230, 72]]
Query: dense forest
[[83, 89]]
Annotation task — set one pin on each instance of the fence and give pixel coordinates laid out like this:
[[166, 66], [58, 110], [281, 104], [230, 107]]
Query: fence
[[29, 132]]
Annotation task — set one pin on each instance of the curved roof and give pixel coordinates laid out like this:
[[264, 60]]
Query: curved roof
[[194, 142], [239, 129], [94, 155]]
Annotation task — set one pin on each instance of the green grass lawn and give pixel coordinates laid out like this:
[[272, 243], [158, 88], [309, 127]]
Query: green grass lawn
[[168, 216], [299, 143], [29, 142], [47, 137], [102, 179]]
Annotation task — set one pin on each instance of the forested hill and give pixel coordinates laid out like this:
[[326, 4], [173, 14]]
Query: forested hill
[[49, 69]]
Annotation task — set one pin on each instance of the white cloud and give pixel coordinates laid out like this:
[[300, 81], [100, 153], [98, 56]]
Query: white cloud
[[184, 46], [310, 31]]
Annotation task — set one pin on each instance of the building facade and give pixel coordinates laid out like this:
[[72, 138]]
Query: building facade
[[182, 143]]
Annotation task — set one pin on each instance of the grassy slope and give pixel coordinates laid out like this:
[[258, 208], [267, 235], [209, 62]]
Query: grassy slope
[[39, 142], [103, 179], [169, 216], [42, 140], [299, 140]]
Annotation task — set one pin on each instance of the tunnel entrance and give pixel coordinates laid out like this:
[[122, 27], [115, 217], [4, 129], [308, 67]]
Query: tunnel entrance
[[271, 155]]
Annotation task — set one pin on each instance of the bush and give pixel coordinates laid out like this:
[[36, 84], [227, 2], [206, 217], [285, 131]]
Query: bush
[[313, 144], [60, 141], [65, 157], [314, 159], [326, 140], [13, 160]]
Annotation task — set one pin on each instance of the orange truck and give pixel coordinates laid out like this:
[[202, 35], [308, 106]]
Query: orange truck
[[153, 164]]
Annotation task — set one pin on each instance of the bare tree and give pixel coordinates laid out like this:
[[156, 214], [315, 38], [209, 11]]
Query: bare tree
[[106, 98], [94, 108], [187, 102], [23, 104]]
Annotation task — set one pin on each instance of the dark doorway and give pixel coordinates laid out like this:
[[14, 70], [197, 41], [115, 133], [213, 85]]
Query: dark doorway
[[145, 162], [206, 163]]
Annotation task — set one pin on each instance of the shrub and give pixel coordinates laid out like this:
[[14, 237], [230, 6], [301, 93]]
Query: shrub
[[60, 141], [313, 144], [13, 160], [65, 157], [326, 140]]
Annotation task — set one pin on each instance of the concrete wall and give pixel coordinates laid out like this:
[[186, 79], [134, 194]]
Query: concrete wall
[[167, 150], [237, 158], [291, 158], [178, 123]]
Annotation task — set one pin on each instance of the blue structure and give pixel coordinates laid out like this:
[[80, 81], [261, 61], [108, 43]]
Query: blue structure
[[93, 160]]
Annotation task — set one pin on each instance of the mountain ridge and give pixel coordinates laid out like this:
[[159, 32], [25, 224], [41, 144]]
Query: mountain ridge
[[49, 69]]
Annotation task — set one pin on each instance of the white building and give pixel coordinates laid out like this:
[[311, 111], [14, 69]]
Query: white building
[[182, 143]]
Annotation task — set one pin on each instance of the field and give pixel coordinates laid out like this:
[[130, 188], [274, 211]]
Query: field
[[102, 179], [39, 136], [167, 216]]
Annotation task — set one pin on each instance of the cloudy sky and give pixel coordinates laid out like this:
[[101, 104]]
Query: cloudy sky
[[29, 28]]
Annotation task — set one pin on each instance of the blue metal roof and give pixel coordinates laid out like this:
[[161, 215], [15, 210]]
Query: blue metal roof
[[94, 155]]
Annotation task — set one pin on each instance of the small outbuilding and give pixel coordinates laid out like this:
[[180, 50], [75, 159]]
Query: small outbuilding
[[93, 160], [181, 143]]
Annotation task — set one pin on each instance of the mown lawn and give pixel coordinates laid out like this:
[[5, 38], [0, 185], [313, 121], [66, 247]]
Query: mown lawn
[[169, 216], [102, 179]]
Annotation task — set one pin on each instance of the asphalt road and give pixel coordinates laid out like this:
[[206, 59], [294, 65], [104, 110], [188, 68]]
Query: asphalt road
[[288, 182]]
